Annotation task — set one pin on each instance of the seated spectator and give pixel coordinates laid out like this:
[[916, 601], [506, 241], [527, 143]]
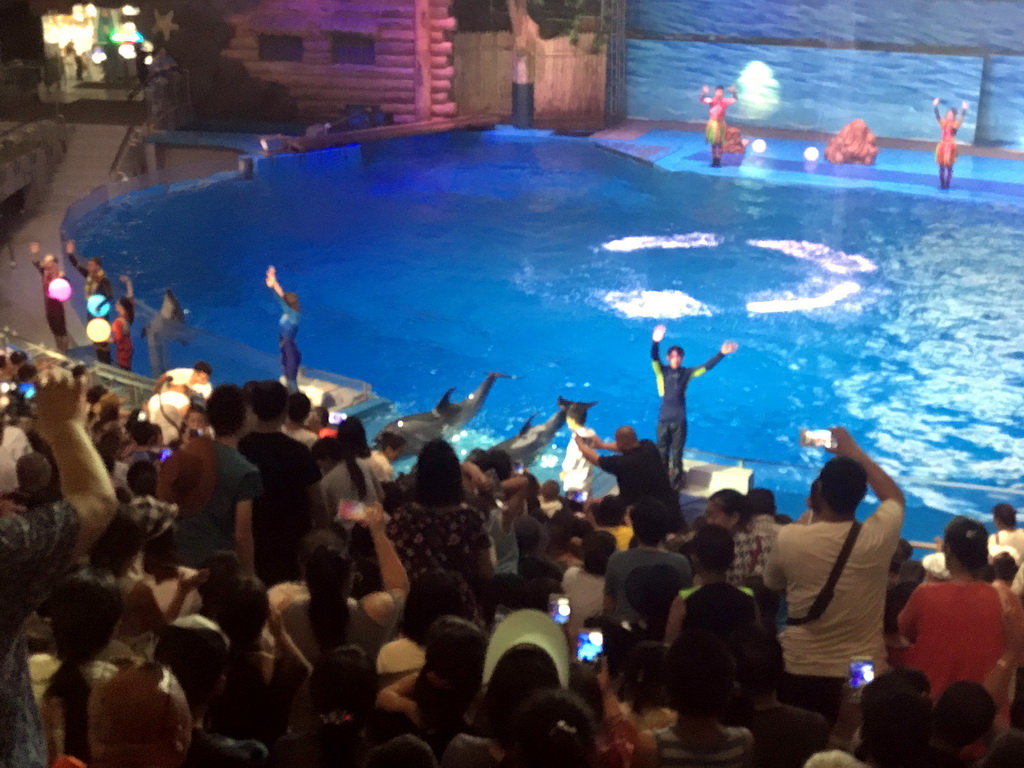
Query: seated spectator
[[330, 617], [214, 485], [714, 605], [433, 703], [390, 447], [550, 499], [896, 729], [154, 516], [845, 623], [784, 736], [955, 627], [643, 693], [563, 539], [611, 514], [291, 500], [531, 544], [699, 674], [519, 672], [649, 524], [297, 414], [259, 686], [438, 529], [36, 549], [84, 610], [343, 688], [964, 714], [144, 441], [406, 751], [432, 595], [584, 585], [553, 727], [196, 652], [139, 718], [1007, 533]]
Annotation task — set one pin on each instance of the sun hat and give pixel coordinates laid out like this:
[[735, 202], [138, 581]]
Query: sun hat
[[530, 627]]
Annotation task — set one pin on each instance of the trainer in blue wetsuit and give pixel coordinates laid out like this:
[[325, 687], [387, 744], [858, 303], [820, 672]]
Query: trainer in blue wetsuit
[[672, 383], [287, 329]]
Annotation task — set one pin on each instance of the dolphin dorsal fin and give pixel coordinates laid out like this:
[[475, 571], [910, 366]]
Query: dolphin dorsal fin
[[527, 425], [445, 402]]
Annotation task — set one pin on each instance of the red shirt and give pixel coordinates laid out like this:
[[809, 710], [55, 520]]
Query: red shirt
[[956, 630]]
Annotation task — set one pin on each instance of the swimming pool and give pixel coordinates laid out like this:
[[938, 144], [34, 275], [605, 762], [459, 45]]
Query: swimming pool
[[423, 263]]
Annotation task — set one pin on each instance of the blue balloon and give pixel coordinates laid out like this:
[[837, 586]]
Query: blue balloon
[[98, 305]]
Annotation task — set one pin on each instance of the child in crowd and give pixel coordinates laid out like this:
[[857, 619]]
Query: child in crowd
[[610, 514]]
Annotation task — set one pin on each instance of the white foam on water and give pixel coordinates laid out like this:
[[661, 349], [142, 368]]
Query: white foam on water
[[799, 304], [667, 305], [643, 242], [838, 262]]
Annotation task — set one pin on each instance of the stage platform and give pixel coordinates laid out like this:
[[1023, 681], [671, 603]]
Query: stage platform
[[980, 175]]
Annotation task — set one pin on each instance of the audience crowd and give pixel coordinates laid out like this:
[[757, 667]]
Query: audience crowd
[[225, 578]]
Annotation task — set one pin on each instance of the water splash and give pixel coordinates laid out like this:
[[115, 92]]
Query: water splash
[[798, 304], [667, 305], [643, 242], [839, 262]]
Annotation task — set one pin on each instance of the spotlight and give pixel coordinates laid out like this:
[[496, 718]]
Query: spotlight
[[811, 154], [98, 56], [759, 145], [126, 51]]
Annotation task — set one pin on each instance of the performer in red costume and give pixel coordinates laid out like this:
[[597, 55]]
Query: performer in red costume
[[945, 150], [715, 130]]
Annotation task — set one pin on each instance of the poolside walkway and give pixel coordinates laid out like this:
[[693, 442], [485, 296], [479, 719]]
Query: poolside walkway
[[981, 174]]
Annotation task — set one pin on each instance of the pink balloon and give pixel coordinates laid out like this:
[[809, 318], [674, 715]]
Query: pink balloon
[[59, 289]]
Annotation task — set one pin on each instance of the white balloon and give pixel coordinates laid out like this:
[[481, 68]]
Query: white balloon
[[759, 145], [811, 154]]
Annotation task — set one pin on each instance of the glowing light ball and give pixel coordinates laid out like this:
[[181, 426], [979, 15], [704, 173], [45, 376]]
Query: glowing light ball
[[59, 289], [811, 154], [98, 305], [126, 51], [98, 56], [759, 145], [98, 330]]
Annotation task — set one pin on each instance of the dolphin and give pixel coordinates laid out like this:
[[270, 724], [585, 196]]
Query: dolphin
[[418, 429], [525, 447]]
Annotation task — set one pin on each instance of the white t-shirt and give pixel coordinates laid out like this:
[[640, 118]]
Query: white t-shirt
[[301, 434], [851, 626], [1014, 538], [14, 445], [382, 468], [586, 597], [167, 410], [579, 473], [183, 377]]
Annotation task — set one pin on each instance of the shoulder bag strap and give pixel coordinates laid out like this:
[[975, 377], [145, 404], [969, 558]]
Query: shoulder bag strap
[[824, 597]]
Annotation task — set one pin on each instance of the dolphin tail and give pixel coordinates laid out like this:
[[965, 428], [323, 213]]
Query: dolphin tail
[[526, 426], [566, 404], [445, 402], [492, 375]]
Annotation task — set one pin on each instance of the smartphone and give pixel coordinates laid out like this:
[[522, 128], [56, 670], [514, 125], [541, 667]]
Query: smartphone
[[165, 454], [862, 672], [353, 511], [816, 438], [589, 645], [27, 389], [519, 467], [558, 609], [578, 496], [336, 418]]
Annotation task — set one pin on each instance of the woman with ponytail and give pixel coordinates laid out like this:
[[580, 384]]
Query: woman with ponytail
[[85, 608], [343, 688], [352, 479], [330, 617], [554, 728]]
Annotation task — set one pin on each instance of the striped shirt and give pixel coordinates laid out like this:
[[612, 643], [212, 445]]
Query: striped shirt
[[736, 751]]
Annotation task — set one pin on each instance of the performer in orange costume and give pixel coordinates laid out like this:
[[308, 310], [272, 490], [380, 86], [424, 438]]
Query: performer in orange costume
[[945, 150]]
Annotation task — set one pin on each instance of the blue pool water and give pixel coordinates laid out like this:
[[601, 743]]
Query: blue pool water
[[423, 263]]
